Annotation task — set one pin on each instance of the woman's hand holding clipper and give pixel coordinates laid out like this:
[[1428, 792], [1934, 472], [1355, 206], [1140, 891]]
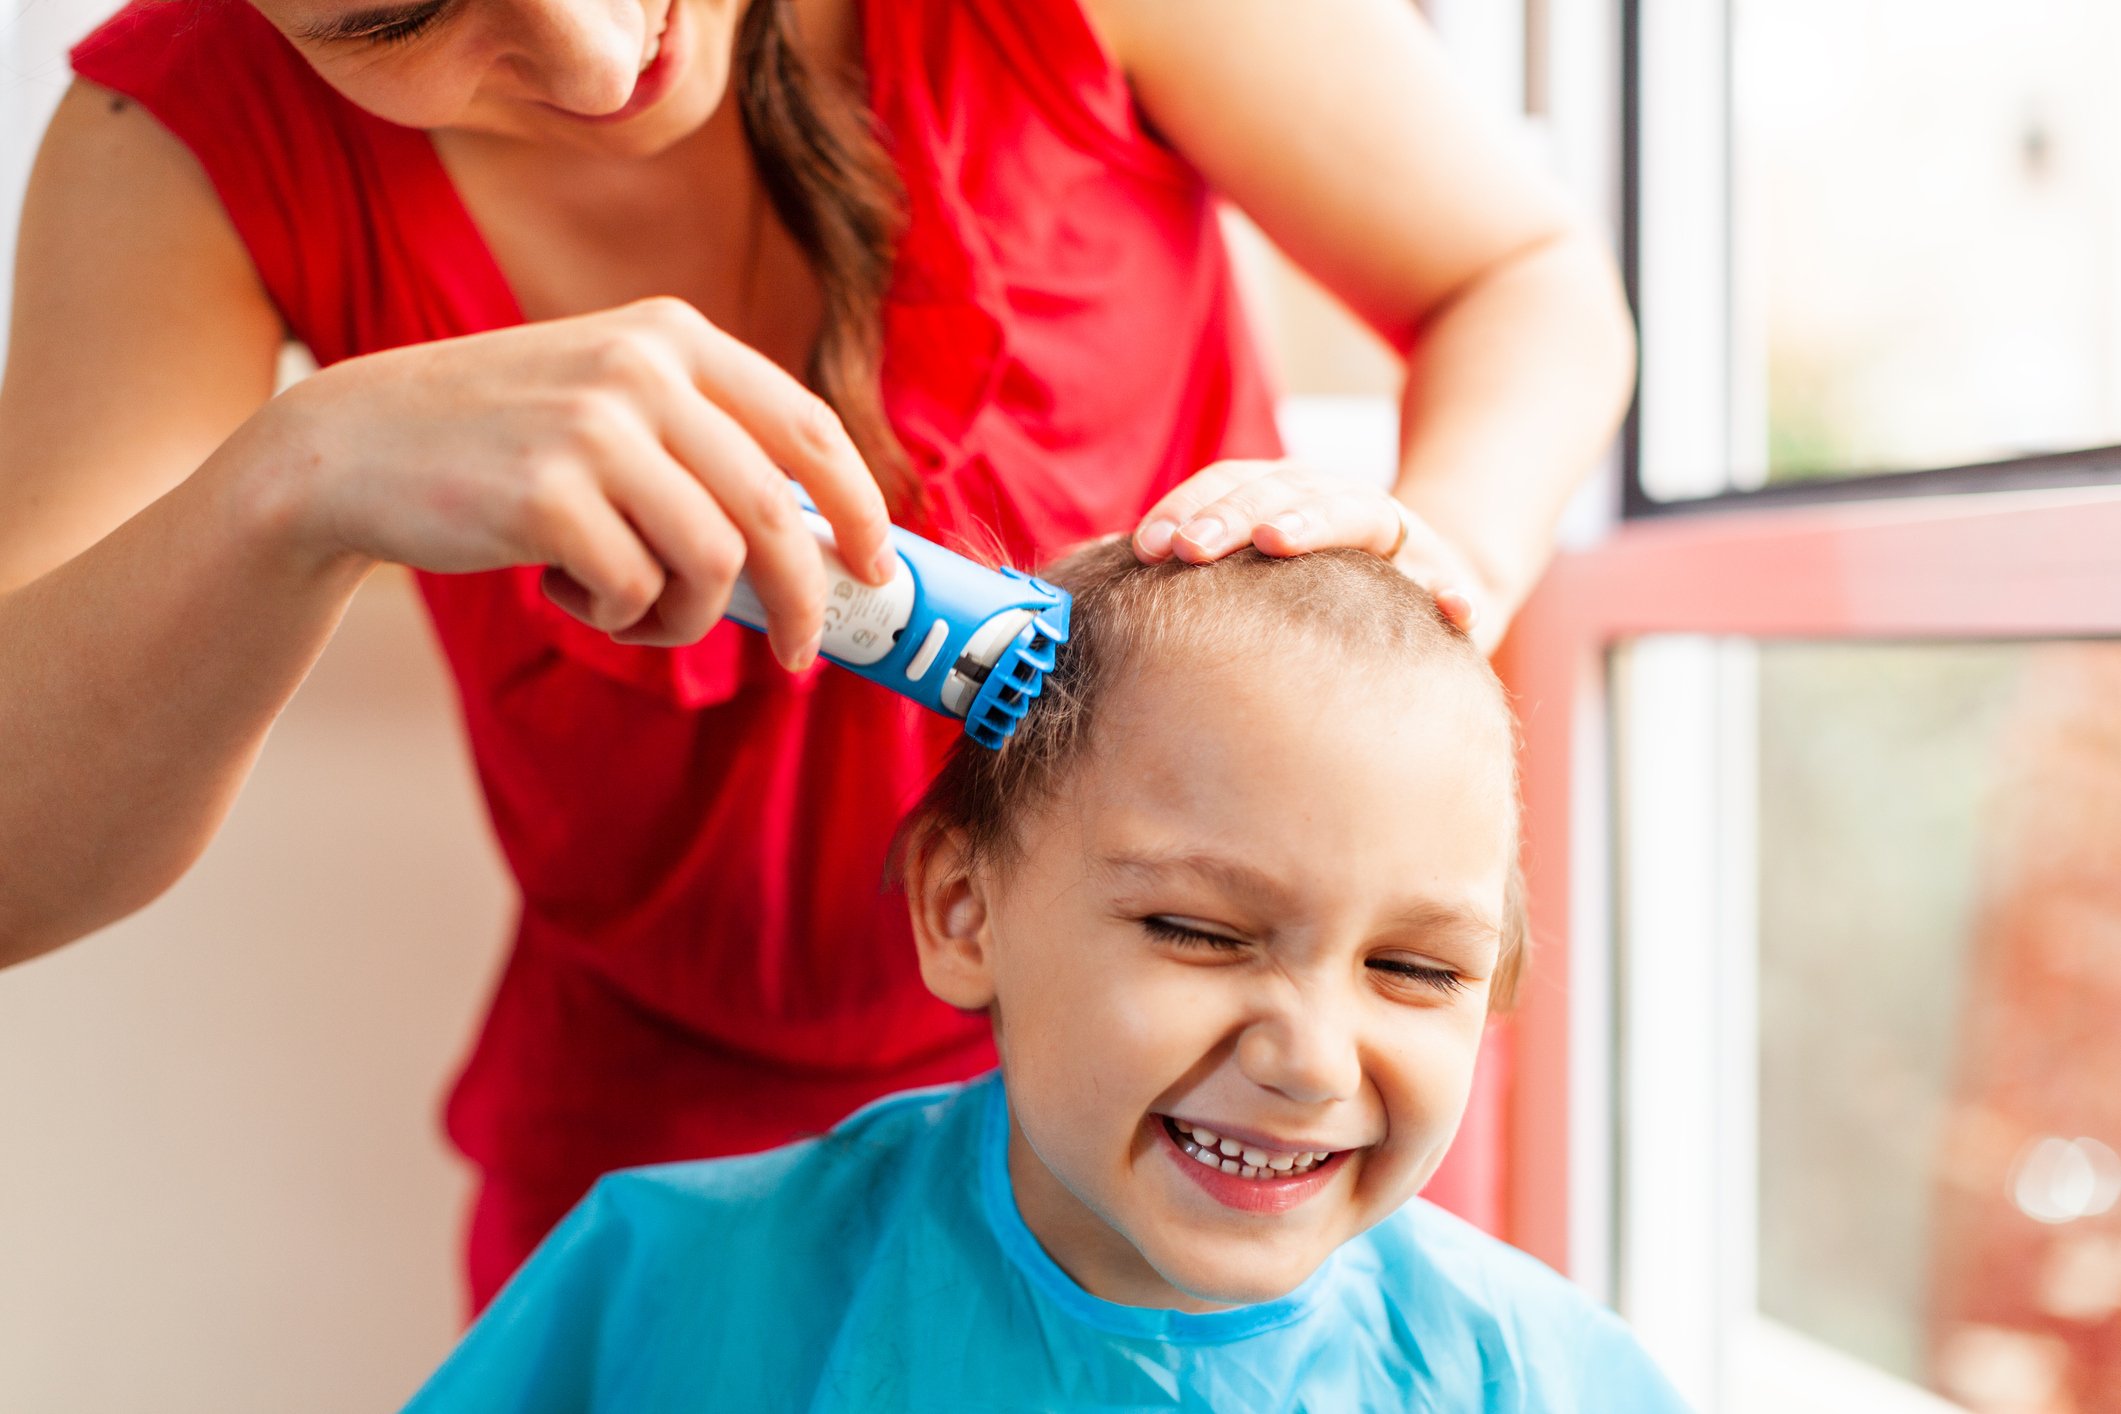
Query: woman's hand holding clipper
[[639, 453]]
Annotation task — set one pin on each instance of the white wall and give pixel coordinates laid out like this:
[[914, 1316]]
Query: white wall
[[34, 35]]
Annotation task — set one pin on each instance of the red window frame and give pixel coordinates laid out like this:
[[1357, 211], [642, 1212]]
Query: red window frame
[[2030, 564]]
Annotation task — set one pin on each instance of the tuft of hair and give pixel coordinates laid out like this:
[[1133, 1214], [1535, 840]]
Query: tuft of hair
[[833, 185], [1246, 605]]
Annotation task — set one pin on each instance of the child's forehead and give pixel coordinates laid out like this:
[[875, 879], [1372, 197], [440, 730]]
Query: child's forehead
[[1298, 778], [1297, 695]]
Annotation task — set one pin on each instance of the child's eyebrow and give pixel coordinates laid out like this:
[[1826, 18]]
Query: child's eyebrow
[[1432, 918], [1231, 875], [1439, 921]]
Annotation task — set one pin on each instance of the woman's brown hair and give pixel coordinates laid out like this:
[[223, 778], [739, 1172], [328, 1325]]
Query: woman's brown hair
[[834, 187], [1247, 605]]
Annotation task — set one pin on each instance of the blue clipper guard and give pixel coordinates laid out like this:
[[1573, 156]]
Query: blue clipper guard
[[955, 636]]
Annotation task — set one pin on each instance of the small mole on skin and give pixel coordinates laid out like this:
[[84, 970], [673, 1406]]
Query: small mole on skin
[[119, 105]]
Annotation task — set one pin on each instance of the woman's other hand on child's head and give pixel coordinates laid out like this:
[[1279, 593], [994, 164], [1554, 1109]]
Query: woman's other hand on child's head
[[1285, 508], [1267, 898]]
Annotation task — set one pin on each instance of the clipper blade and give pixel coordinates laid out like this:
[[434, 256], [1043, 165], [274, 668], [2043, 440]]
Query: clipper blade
[[1018, 675]]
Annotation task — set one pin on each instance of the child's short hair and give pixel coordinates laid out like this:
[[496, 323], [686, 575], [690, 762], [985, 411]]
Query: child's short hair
[[1246, 605]]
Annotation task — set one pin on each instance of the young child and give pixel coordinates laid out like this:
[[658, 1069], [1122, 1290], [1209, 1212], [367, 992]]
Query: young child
[[1239, 897]]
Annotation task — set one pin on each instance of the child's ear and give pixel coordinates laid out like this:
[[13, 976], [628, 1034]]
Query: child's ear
[[950, 920]]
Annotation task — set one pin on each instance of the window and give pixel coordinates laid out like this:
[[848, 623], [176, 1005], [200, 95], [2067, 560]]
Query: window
[[1886, 236], [1880, 986], [1823, 769], [1927, 225]]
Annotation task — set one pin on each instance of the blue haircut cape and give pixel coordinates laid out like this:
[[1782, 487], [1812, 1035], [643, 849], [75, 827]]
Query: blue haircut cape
[[885, 1266]]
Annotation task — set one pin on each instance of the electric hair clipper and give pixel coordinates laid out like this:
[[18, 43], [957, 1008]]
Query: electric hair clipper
[[955, 636]]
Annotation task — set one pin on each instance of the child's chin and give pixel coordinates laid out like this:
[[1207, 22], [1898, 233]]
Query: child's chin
[[1236, 1282]]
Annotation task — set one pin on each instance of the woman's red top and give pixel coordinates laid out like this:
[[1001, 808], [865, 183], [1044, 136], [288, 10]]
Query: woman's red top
[[707, 961]]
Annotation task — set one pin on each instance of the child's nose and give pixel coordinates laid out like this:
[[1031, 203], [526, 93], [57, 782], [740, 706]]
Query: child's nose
[[1304, 1050]]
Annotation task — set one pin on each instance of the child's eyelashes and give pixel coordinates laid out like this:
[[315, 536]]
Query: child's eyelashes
[[1402, 971], [1170, 930], [1443, 979]]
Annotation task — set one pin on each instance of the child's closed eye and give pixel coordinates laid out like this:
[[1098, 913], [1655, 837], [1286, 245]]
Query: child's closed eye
[[1187, 935], [1443, 979], [1401, 972]]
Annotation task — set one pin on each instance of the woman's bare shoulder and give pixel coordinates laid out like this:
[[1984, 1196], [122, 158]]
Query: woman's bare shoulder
[[94, 121], [140, 334], [114, 197]]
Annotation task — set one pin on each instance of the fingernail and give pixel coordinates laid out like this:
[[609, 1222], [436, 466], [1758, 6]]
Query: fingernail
[[885, 569], [1155, 537], [1289, 523], [804, 656], [1208, 533]]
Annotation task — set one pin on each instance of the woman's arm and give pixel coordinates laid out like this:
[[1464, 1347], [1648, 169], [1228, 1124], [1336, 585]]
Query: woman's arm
[[1338, 127], [147, 636], [165, 582]]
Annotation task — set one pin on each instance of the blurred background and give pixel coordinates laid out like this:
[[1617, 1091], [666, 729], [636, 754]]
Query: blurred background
[[1818, 1080]]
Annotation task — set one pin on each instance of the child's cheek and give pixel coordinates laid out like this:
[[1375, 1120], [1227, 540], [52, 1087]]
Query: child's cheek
[[1093, 1044], [1425, 1078], [1129, 1030]]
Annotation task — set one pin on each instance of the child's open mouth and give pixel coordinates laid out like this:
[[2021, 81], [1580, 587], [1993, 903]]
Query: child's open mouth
[[1240, 1175]]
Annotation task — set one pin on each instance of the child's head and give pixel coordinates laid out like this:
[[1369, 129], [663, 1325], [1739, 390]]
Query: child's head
[[1248, 867]]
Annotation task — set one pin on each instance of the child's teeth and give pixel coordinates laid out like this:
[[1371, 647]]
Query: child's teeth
[[1234, 1157]]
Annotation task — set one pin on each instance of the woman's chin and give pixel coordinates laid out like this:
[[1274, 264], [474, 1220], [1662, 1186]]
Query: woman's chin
[[649, 135]]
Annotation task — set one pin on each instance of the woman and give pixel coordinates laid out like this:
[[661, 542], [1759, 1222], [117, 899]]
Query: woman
[[568, 265]]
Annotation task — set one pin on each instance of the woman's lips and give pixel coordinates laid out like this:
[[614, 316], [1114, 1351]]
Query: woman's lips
[[1269, 1193]]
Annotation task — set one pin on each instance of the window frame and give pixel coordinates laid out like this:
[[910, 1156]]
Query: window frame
[[2011, 565]]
